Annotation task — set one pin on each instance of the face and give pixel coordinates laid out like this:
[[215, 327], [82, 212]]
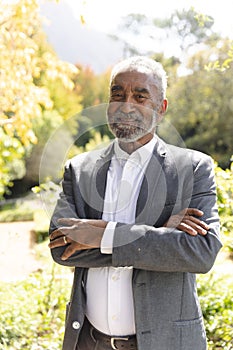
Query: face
[[134, 106]]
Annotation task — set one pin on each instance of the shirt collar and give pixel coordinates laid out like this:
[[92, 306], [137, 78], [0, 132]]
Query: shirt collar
[[141, 155]]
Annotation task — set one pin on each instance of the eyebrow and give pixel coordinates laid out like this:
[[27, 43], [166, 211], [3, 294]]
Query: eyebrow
[[116, 88], [142, 90], [137, 89]]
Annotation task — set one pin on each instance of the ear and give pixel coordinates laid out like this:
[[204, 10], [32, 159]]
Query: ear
[[163, 106], [162, 109]]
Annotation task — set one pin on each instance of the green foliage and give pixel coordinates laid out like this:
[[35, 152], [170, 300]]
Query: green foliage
[[33, 311], [224, 64], [93, 88], [216, 298], [32, 77], [95, 142], [201, 110], [16, 212], [224, 180], [187, 27], [190, 27], [11, 161]]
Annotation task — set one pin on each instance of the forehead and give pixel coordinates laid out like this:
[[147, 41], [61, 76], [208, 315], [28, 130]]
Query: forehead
[[134, 79]]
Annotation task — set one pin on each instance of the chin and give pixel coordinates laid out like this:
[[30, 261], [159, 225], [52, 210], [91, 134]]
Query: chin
[[125, 135]]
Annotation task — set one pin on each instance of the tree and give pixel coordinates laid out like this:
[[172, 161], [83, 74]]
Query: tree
[[94, 89], [27, 64], [146, 35], [201, 107], [189, 27]]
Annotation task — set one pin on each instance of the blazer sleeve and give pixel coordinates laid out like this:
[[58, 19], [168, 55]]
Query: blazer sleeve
[[72, 205], [169, 249]]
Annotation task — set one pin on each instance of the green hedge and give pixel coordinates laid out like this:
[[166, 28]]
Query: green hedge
[[216, 298], [32, 311]]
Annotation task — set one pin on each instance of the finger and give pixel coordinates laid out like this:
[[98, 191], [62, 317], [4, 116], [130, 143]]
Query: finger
[[197, 222], [188, 229], [62, 231], [199, 229], [194, 211], [68, 221], [59, 242], [70, 250]]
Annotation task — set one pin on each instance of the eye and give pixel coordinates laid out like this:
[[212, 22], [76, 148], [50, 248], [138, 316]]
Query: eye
[[140, 97], [117, 96]]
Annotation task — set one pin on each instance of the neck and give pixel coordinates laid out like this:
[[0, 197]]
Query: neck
[[130, 147]]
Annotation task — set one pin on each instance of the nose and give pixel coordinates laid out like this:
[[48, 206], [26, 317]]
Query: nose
[[127, 106]]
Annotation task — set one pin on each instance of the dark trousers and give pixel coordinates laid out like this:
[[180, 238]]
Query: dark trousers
[[89, 340]]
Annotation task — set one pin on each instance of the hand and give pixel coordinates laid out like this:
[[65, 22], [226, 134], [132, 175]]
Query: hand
[[187, 221], [77, 234]]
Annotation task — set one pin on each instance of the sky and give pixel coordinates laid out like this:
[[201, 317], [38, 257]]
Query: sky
[[103, 15]]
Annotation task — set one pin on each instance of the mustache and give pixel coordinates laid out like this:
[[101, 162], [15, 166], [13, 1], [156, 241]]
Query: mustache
[[121, 116]]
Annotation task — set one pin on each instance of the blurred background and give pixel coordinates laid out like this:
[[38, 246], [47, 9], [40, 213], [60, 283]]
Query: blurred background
[[55, 62]]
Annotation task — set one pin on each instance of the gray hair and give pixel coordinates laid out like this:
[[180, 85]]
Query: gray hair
[[145, 65]]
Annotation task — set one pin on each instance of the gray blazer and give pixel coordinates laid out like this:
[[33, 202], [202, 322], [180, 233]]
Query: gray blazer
[[165, 260]]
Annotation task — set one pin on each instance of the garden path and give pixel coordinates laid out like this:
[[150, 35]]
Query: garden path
[[17, 256]]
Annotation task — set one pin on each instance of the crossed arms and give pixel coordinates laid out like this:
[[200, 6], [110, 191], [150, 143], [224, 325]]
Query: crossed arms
[[82, 234], [188, 241]]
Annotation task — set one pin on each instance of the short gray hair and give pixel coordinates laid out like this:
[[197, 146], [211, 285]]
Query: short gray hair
[[146, 65]]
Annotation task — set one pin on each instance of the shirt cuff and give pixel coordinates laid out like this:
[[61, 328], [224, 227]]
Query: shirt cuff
[[106, 245]]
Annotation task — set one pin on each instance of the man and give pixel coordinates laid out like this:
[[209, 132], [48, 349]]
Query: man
[[138, 220]]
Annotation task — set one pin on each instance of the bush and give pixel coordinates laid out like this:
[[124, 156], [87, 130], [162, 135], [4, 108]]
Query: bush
[[33, 311], [216, 298], [16, 214], [224, 181]]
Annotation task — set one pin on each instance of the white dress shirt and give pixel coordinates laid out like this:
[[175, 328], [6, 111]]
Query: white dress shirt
[[109, 289]]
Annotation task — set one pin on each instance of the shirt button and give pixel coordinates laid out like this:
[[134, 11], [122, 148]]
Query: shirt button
[[76, 325]]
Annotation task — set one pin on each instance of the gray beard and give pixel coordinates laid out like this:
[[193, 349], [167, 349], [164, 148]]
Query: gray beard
[[132, 132]]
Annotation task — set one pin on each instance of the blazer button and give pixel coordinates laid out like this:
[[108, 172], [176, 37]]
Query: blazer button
[[76, 325]]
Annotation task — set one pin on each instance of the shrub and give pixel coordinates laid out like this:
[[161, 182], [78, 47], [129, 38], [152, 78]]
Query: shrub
[[32, 311], [224, 181], [216, 298], [16, 214]]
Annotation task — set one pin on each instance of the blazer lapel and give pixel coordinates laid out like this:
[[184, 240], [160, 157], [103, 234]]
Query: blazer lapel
[[152, 196], [98, 183]]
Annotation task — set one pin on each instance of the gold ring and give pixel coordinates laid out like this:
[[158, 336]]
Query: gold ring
[[65, 240]]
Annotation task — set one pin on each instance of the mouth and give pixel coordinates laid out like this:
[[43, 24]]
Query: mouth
[[126, 120], [131, 122]]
